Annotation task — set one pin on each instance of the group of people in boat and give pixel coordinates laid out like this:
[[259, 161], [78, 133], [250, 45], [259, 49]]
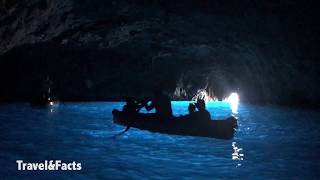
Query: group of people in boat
[[162, 105]]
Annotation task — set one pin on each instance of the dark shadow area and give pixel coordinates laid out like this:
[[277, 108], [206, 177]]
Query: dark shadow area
[[97, 50]]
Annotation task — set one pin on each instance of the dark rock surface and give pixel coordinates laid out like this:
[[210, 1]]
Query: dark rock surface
[[99, 50]]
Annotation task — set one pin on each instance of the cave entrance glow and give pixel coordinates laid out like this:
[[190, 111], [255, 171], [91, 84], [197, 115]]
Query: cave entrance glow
[[233, 100]]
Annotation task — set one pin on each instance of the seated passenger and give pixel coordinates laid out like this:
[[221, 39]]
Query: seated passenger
[[131, 107], [161, 103], [191, 108], [202, 114]]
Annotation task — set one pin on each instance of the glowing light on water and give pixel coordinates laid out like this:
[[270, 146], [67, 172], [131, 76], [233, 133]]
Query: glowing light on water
[[237, 155], [233, 100], [51, 103]]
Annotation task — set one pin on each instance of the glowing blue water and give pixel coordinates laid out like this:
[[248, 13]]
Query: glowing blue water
[[271, 142]]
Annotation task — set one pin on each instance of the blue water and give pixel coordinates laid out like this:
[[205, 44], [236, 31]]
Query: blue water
[[271, 142]]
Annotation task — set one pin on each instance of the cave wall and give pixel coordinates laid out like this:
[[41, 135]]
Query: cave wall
[[98, 50]]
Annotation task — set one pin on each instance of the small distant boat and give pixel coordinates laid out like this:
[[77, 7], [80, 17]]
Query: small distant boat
[[221, 129]]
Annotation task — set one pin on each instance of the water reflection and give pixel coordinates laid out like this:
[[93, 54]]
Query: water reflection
[[237, 154]]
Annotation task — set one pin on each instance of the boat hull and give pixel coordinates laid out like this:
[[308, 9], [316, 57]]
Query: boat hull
[[221, 129]]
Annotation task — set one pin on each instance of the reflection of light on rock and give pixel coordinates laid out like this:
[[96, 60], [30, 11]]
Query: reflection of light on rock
[[51, 103], [202, 94], [233, 100], [237, 155]]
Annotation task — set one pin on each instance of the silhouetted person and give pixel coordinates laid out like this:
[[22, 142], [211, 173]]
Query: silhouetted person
[[202, 114], [43, 95], [191, 108], [46, 88], [161, 103], [131, 107]]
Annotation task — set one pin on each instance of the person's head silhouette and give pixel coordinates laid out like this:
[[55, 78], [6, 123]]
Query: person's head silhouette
[[201, 105], [191, 108], [129, 101]]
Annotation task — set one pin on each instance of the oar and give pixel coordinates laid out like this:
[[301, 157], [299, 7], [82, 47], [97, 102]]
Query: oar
[[114, 136]]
